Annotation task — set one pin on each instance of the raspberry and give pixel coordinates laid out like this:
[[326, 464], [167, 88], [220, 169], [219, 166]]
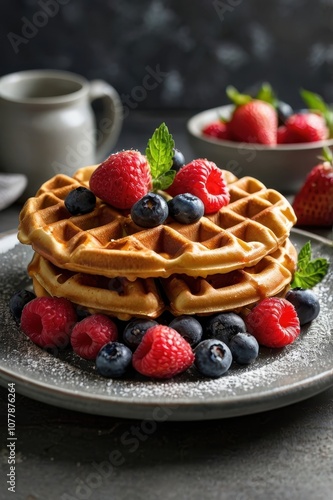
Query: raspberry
[[205, 180], [91, 334], [217, 129], [48, 321], [273, 322], [162, 353], [122, 179]]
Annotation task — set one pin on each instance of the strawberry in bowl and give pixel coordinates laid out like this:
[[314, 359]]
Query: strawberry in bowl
[[264, 137]]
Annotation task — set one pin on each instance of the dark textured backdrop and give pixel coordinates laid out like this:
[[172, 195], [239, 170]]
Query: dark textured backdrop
[[194, 48]]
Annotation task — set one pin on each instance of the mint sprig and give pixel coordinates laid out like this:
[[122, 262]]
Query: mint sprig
[[159, 153], [309, 271]]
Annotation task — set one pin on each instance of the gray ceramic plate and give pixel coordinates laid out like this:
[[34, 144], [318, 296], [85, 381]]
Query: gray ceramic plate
[[278, 377]]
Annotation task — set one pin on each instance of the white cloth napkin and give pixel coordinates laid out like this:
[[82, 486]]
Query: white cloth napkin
[[11, 188]]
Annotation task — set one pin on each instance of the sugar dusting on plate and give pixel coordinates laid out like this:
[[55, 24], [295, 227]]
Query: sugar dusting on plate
[[311, 356]]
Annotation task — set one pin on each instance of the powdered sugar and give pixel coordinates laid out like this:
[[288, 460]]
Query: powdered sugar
[[63, 378]]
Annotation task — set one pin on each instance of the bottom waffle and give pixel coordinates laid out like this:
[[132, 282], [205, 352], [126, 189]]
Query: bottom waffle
[[235, 290], [117, 297], [180, 294]]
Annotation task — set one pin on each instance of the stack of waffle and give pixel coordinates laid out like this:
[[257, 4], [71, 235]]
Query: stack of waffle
[[105, 263]]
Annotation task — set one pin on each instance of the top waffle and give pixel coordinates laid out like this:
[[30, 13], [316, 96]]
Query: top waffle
[[106, 241]]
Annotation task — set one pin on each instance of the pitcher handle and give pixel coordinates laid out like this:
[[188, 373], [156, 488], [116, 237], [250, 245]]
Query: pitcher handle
[[108, 120]]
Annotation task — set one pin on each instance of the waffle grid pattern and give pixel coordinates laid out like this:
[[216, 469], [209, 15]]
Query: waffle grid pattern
[[106, 242]]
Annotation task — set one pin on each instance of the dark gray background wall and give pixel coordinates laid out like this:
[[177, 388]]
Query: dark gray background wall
[[194, 48]]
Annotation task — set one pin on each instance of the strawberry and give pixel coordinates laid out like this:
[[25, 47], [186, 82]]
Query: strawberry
[[162, 353], [254, 122], [305, 127], [217, 129], [122, 179], [313, 204], [273, 322], [203, 179]]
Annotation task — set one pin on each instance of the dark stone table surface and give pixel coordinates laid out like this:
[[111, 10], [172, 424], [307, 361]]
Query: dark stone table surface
[[60, 454]]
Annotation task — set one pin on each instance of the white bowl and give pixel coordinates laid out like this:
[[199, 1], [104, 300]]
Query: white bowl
[[282, 167]]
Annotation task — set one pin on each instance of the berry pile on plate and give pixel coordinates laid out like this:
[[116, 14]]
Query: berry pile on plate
[[158, 350]]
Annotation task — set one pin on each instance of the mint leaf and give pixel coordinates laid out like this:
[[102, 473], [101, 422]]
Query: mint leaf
[[313, 274], [164, 181], [309, 271], [159, 154], [304, 256]]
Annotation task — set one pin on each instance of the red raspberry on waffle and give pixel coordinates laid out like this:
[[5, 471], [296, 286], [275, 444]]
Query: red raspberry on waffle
[[122, 179], [206, 181]]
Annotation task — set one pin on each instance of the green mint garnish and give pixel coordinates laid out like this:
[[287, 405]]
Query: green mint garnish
[[309, 271], [159, 152], [316, 103]]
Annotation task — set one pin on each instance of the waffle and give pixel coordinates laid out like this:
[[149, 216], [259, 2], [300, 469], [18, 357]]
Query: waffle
[[232, 291], [180, 294], [117, 297], [106, 242]]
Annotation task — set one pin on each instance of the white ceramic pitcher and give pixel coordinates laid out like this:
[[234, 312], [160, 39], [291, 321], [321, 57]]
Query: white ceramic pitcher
[[49, 126]]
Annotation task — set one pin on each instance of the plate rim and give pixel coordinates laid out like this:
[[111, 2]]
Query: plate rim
[[179, 410]]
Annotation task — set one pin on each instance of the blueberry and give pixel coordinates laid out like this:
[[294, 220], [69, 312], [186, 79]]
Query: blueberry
[[117, 285], [150, 211], [244, 348], [135, 330], [224, 326], [186, 208], [81, 313], [178, 160], [80, 201], [284, 110], [189, 328], [306, 304], [18, 301], [213, 358], [113, 360]]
